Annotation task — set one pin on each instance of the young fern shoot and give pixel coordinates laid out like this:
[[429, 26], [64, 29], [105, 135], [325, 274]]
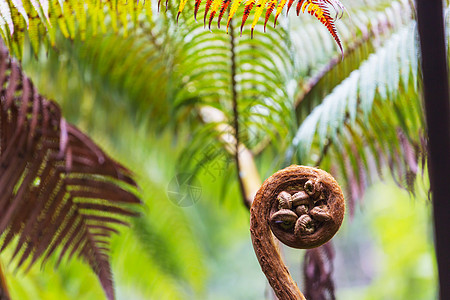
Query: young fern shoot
[[304, 208]]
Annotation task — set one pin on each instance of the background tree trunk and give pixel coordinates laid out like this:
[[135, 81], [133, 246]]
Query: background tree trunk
[[437, 108]]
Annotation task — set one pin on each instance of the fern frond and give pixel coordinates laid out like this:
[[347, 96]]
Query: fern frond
[[59, 190], [136, 89], [263, 70], [41, 18], [320, 9], [378, 102], [372, 28]]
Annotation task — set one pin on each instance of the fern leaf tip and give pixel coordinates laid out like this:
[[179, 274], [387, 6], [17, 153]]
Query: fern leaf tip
[[167, 5]]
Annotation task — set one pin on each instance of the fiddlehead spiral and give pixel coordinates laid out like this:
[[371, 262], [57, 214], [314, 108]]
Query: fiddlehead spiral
[[304, 208]]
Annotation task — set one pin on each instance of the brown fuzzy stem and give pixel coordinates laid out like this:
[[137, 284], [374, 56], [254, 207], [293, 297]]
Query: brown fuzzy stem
[[303, 207]]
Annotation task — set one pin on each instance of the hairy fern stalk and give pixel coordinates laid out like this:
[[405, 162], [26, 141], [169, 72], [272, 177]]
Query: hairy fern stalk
[[59, 190]]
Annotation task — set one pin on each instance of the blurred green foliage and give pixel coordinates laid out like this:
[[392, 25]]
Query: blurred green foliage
[[392, 235]]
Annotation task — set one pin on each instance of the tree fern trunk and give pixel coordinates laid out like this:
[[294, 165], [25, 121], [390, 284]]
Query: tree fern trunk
[[437, 108]]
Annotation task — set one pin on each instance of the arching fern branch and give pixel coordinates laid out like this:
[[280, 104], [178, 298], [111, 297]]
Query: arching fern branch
[[378, 102], [316, 73], [169, 258], [59, 190], [361, 36]]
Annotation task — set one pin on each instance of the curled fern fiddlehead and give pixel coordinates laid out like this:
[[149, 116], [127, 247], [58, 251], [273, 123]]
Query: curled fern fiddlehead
[[304, 208]]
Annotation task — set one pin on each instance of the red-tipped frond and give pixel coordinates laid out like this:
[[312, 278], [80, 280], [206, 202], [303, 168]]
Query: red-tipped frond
[[320, 10], [207, 6], [290, 4], [196, 7], [222, 11], [214, 9], [317, 8], [270, 7], [248, 8]]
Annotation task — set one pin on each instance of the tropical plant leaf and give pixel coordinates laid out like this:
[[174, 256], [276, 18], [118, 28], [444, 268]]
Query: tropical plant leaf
[[41, 18], [254, 72], [317, 8], [59, 190], [362, 36], [97, 70], [349, 130]]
